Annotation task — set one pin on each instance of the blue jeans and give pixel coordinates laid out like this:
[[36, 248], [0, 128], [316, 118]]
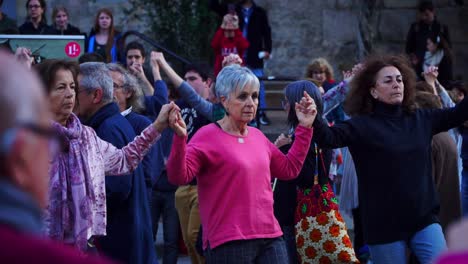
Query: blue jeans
[[464, 192], [164, 204], [289, 236], [261, 99], [260, 251], [426, 244]]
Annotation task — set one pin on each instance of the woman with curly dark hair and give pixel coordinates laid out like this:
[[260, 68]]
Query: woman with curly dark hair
[[390, 141]]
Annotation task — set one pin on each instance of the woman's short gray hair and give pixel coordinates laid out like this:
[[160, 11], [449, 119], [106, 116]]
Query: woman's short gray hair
[[233, 78], [95, 75]]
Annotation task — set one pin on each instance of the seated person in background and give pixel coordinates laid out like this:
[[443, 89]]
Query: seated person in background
[[60, 24], [36, 22], [7, 25]]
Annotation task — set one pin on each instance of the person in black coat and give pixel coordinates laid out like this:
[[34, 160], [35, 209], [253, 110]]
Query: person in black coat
[[60, 24], [390, 143], [129, 233], [36, 22], [416, 40], [253, 22], [285, 192]]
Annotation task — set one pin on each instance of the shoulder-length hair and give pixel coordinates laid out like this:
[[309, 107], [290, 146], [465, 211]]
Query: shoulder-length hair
[[319, 64], [110, 38], [441, 44], [294, 92], [47, 71], [55, 12], [359, 100], [43, 6]]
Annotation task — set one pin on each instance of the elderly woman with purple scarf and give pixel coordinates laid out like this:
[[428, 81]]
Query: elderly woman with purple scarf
[[77, 209]]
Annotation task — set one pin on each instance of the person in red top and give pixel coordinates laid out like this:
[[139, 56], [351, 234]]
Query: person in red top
[[26, 137], [228, 40]]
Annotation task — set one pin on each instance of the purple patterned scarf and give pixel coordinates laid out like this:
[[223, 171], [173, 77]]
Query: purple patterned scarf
[[69, 217]]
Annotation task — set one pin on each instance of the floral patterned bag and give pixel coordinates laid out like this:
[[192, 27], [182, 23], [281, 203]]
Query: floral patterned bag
[[321, 234]]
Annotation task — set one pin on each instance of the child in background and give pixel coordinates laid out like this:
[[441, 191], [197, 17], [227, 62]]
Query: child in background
[[228, 40]]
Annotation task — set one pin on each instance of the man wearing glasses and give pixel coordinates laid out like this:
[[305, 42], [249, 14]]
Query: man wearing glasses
[[26, 139]]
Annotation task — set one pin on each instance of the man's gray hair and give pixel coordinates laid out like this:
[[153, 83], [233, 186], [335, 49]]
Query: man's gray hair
[[95, 75], [130, 85], [233, 78]]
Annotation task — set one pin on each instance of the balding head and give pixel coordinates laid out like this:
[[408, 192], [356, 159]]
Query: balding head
[[24, 154]]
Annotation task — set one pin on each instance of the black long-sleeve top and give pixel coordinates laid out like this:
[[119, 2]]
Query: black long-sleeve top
[[285, 194], [391, 150]]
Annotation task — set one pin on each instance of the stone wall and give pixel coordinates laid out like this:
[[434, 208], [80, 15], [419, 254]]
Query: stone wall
[[342, 31]]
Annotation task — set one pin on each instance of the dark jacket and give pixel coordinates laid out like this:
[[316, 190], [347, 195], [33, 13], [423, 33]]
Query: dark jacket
[[445, 69], [391, 150], [129, 233], [258, 31], [8, 25], [154, 102], [416, 40], [285, 194], [139, 123], [71, 30], [28, 29], [21, 239]]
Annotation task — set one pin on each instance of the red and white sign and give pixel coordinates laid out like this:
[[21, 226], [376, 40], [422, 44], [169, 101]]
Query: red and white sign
[[73, 49]]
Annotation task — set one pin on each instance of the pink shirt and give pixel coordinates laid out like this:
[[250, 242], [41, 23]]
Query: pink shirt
[[234, 176]]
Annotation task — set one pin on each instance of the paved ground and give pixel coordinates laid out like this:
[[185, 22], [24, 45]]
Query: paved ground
[[278, 126]]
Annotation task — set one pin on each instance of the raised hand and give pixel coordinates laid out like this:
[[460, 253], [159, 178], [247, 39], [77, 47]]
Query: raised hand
[[231, 59], [24, 56], [306, 110], [157, 58], [162, 121], [282, 140], [176, 122]]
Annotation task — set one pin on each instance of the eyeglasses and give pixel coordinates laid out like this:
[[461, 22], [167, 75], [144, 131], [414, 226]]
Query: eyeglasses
[[56, 141], [34, 6], [116, 86]]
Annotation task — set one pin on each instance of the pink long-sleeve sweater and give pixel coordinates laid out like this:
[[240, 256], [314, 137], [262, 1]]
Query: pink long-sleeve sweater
[[234, 179]]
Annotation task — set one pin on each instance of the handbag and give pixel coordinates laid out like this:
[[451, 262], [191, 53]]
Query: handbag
[[321, 234]]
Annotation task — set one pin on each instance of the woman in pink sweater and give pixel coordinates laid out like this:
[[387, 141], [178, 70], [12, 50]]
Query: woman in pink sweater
[[234, 165]]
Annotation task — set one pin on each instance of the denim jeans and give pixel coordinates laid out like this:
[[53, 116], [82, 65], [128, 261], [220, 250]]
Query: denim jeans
[[464, 192], [289, 236], [261, 99], [426, 244], [260, 251], [164, 204]]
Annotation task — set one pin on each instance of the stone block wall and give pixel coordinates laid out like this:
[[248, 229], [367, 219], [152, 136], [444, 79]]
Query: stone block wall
[[342, 31], [337, 30]]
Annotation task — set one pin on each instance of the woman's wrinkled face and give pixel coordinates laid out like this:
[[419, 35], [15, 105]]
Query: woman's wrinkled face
[[431, 46], [62, 94], [61, 19], [319, 75], [105, 21], [389, 87], [242, 104]]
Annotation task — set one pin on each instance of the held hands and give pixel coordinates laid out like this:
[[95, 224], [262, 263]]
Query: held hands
[[430, 75], [157, 59], [162, 121], [282, 140], [306, 110], [176, 122]]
